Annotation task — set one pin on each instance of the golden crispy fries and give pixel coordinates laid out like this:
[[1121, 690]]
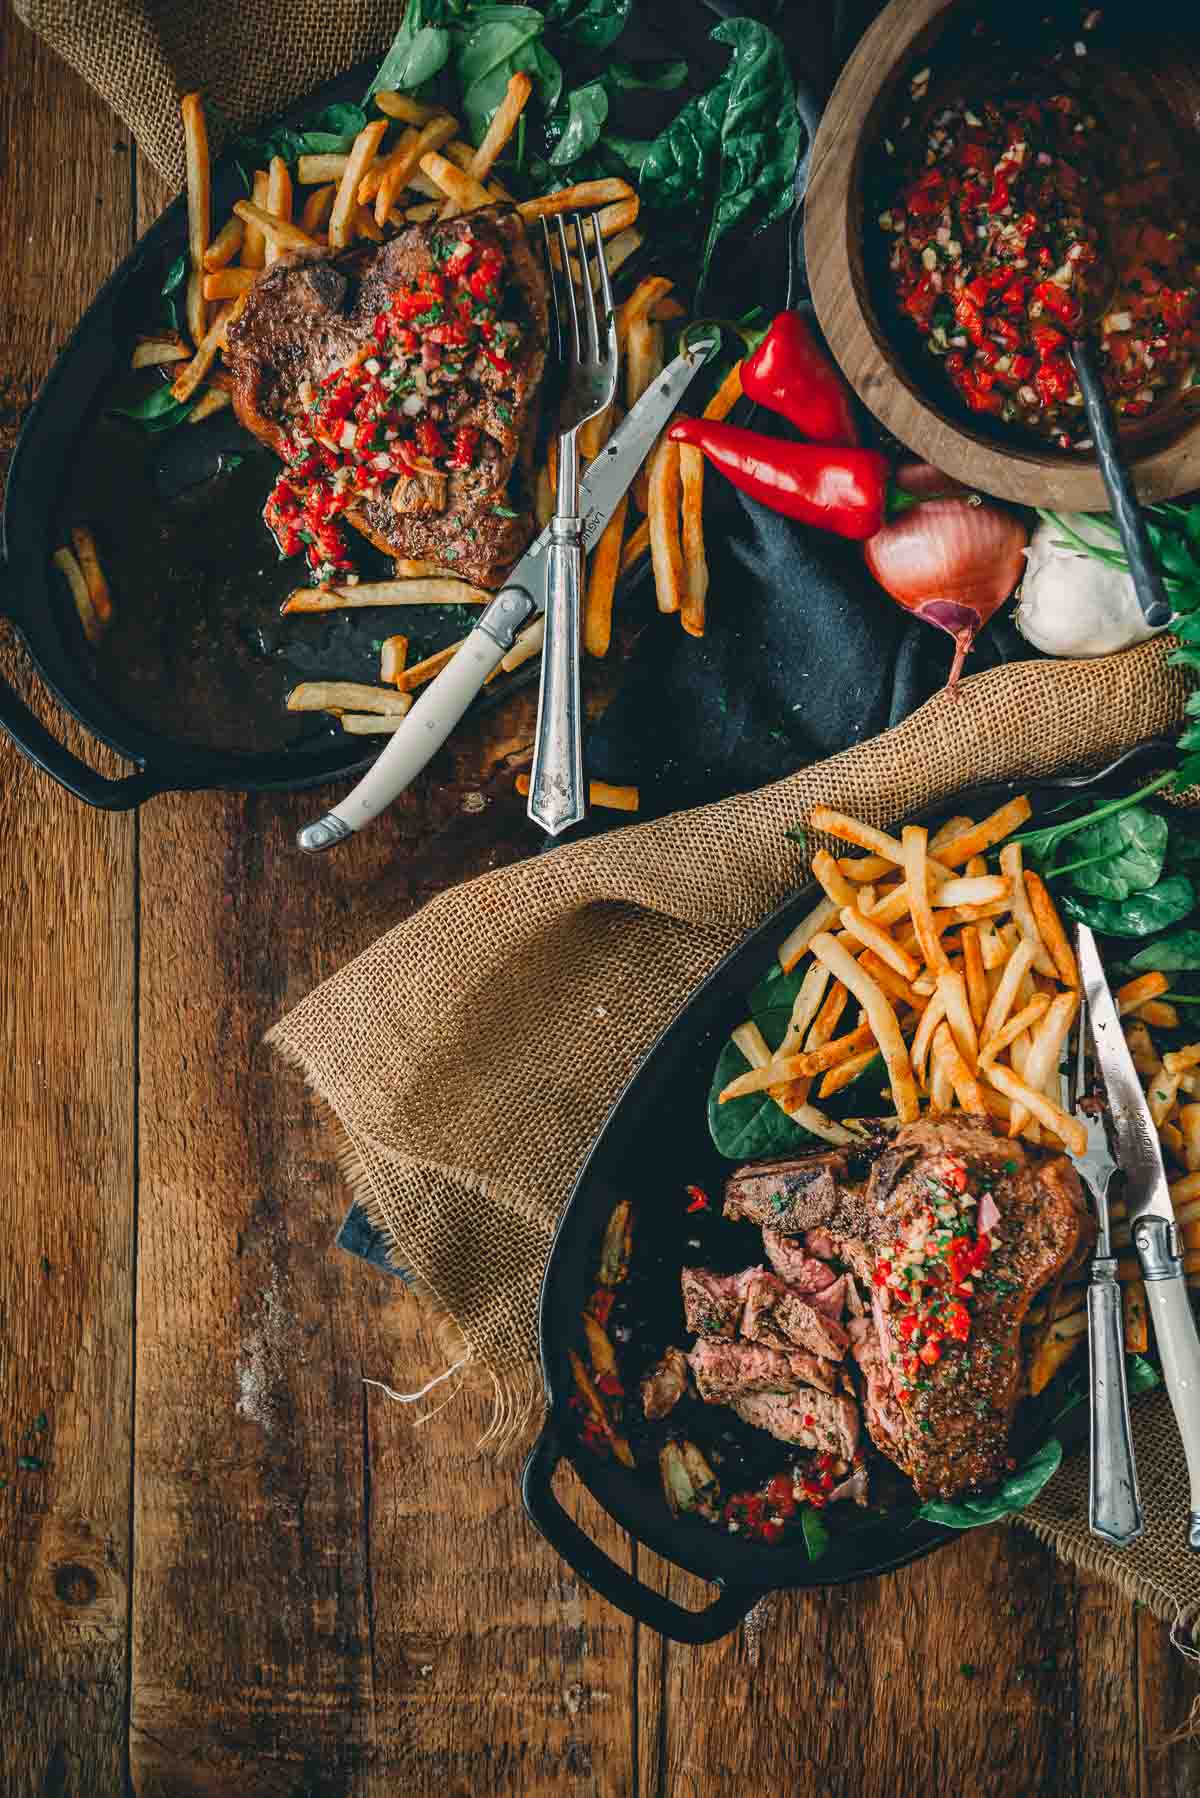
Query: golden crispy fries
[[527, 645], [761, 1079], [866, 900], [199, 207], [666, 550], [805, 1007], [224, 246], [372, 724], [344, 212], [343, 696], [317, 208], [636, 547], [618, 250], [975, 975], [404, 107], [213, 399], [439, 590], [1189, 1130], [880, 1016], [916, 878], [603, 568], [952, 988], [1135, 992], [193, 372], [879, 942], [1179, 1061], [600, 792], [616, 218], [941, 1087], [393, 658], [420, 672], [159, 352], [892, 983], [586, 196], [826, 1020], [1161, 1094], [640, 304], [1137, 1336], [280, 232], [365, 226], [837, 1050], [834, 884], [463, 189], [827, 822], [986, 889], [504, 123], [279, 198], [1050, 925], [228, 283], [1045, 1050], [727, 395], [967, 1089], [312, 171], [986, 834], [643, 358], [667, 309], [1055, 1349], [1022, 910], [847, 1073], [595, 432], [1017, 1025], [1160, 1014], [865, 868], [945, 833], [797, 943], [1005, 995], [64, 560], [1068, 1129], [254, 244], [93, 574]]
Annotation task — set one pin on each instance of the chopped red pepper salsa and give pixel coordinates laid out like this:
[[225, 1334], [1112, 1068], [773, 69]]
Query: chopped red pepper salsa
[[389, 412], [998, 256], [926, 1279]]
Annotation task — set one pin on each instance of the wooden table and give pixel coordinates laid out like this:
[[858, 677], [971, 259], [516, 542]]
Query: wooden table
[[229, 1567]]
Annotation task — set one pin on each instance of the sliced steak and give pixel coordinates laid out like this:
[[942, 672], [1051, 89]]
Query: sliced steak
[[776, 1313], [663, 1388], [311, 313], [713, 1303], [724, 1371], [946, 1421], [790, 1261], [787, 1196], [824, 1421]]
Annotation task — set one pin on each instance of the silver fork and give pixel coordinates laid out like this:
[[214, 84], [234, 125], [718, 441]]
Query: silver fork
[[556, 790], [1114, 1503]]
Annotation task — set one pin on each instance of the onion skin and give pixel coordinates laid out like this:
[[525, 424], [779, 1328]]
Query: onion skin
[[952, 561]]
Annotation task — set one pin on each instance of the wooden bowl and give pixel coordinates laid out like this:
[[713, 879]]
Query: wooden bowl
[[1141, 71]]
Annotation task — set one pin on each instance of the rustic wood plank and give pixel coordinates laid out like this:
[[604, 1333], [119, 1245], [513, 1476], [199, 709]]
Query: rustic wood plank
[[66, 1020], [1106, 1719], [1168, 1707]]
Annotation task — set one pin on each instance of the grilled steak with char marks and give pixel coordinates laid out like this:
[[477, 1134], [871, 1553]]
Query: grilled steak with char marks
[[311, 312], [789, 1196], [825, 1421], [761, 1307], [724, 1371]]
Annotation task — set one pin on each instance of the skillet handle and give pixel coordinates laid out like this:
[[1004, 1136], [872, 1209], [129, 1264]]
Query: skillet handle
[[55, 759], [621, 1589]]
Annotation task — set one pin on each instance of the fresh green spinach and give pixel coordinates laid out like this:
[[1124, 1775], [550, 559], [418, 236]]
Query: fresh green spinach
[[419, 50], [586, 112], [590, 24], [1120, 855], [753, 1128], [816, 1536], [1177, 953], [1017, 1491], [158, 410], [1141, 914], [492, 44], [662, 77]]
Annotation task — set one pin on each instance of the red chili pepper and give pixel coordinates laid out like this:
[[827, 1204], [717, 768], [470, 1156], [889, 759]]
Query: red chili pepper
[[698, 1197], [839, 490], [466, 443], [790, 373], [1054, 380], [602, 1304], [430, 441], [1057, 301]]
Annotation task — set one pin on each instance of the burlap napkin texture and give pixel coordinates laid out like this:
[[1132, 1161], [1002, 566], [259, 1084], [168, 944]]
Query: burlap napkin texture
[[531, 993]]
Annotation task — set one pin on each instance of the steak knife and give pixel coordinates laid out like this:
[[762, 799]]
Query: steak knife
[[523, 597], [1151, 1216]]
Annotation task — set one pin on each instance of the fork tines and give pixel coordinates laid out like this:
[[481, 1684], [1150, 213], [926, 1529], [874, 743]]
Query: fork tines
[[586, 272]]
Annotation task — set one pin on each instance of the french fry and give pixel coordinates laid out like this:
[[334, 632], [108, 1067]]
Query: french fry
[[796, 944], [986, 834], [371, 724], [941, 1087], [1171, 1139], [749, 1039], [603, 568], [329, 166], [1005, 995], [193, 372], [228, 283], [64, 560], [847, 1073], [1045, 1050], [618, 216], [404, 107], [865, 868], [343, 696], [974, 974], [866, 900], [826, 1020], [93, 574], [595, 432], [543, 498], [420, 672], [1161, 1093], [640, 304], [224, 246], [805, 1007], [832, 881], [666, 550], [727, 395], [344, 211], [365, 226], [953, 990], [199, 207], [159, 352], [636, 547], [1135, 992], [878, 941], [777, 1072], [585, 196], [1068, 1129], [931, 1017], [1189, 1127], [914, 844], [254, 244], [1056, 1348], [317, 208], [1160, 1014], [213, 399], [947, 831], [618, 250], [393, 658], [1022, 910], [893, 984], [463, 189], [504, 123], [826, 822], [1017, 1025], [1050, 925], [1137, 1335], [881, 1017], [1179, 1061], [280, 232], [279, 198], [967, 1089], [527, 645], [600, 792], [643, 358], [439, 590], [668, 309], [986, 889]]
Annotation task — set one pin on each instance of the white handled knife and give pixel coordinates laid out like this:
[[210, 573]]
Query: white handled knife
[[424, 729], [1151, 1215]]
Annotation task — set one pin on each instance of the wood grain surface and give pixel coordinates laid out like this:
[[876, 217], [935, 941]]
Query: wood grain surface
[[227, 1566]]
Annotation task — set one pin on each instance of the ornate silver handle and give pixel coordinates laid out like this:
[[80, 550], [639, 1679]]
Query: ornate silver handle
[[1114, 1503], [556, 792]]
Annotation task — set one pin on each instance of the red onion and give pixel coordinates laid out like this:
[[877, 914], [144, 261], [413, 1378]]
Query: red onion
[[952, 561]]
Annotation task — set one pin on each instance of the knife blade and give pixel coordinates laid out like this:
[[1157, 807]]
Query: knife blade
[[1151, 1215], [423, 730]]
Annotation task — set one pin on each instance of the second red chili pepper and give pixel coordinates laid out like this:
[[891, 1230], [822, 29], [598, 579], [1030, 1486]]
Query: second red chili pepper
[[839, 490], [790, 373]]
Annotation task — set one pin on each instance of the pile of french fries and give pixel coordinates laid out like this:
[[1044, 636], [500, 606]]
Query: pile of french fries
[[963, 979], [368, 193]]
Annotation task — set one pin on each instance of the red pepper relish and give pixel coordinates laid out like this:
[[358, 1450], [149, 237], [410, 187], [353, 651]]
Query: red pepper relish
[[925, 1279], [995, 246], [764, 1516], [387, 413]]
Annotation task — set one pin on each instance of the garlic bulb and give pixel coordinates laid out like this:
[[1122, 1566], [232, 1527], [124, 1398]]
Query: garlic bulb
[[1072, 604]]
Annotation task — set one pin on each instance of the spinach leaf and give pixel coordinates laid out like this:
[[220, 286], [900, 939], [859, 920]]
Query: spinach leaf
[[333, 131], [592, 24], [1119, 855], [1170, 954], [816, 1536], [419, 50], [1018, 1490], [1140, 1375], [752, 1128], [1042, 843], [158, 410], [173, 290], [587, 109], [631, 150], [663, 77], [495, 43], [1139, 915], [771, 1002]]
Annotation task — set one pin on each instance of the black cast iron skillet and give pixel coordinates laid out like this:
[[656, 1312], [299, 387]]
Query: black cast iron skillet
[[654, 1141]]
